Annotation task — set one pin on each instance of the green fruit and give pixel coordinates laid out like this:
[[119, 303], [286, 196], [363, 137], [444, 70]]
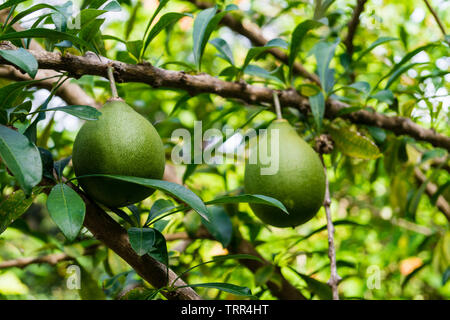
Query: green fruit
[[299, 182], [120, 142]]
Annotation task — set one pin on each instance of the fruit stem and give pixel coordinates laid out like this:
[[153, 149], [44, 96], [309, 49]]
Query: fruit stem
[[112, 82], [276, 102]]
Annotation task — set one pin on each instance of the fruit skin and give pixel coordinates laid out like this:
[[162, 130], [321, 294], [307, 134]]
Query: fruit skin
[[120, 142], [299, 183]]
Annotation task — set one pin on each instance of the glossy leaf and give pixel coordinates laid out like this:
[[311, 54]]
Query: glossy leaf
[[219, 226], [297, 37], [141, 239], [250, 198], [22, 59], [82, 112], [227, 287], [163, 22], [171, 188], [12, 208], [317, 104], [21, 157], [225, 51], [67, 210], [353, 144]]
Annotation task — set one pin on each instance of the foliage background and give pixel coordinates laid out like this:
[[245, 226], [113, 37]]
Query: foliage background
[[382, 230]]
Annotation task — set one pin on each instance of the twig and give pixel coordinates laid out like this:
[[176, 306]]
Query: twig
[[352, 26], [334, 277], [436, 17], [51, 259]]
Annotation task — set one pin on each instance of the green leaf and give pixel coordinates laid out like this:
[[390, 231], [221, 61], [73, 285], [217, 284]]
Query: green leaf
[[250, 198], [263, 274], [159, 249], [405, 59], [317, 104], [141, 239], [255, 52], [262, 73], [79, 111], [322, 290], [297, 37], [134, 49], [61, 164], [336, 223], [31, 10], [161, 5], [112, 6], [159, 207], [361, 86], [12, 208], [324, 52], [201, 32], [446, 276], [204, 24], [384, 96], [176, 190], [22, 59], [400, 71], [10, 3], [224, 49], [47, 34], [67, 210], [227, 287], [375, 44], [353, 144], [163, 22], [21, 157], [219, 226]]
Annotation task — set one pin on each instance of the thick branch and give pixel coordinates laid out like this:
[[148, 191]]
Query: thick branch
[[78, 66], [353, 25], [115, 237]]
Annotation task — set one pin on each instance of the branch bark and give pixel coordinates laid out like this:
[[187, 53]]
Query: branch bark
[[352, 26], [436, 17], [78, 66]]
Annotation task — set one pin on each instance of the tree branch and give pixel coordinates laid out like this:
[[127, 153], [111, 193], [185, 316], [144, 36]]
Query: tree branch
[[436, 17], [352, 26], [78, 66], [51, 259], [115, 237]]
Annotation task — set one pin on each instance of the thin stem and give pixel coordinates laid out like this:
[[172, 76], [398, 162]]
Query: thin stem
[[276, 102], [334, 277], [436, 17], [112, 82]]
